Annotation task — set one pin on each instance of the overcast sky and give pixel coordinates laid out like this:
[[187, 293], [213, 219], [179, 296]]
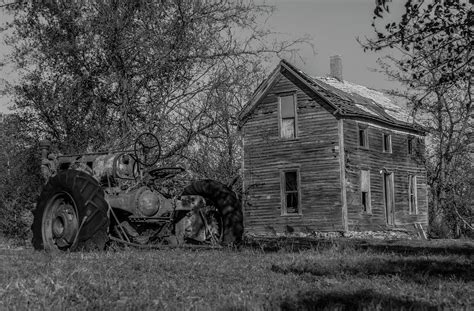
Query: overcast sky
[[332, 24]]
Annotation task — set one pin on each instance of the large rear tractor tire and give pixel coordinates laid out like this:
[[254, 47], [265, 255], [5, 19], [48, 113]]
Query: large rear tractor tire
[[227, 204], [71, 214]]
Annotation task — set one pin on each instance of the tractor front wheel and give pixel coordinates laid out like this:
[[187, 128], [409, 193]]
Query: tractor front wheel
[[71, 214]]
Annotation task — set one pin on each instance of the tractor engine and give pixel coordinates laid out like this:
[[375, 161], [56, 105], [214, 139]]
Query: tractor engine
[[141, 202], [121, 166]]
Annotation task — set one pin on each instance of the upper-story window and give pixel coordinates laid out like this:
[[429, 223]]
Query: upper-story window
[[410, 145], [387, 142], [363, 136], [288, 120]]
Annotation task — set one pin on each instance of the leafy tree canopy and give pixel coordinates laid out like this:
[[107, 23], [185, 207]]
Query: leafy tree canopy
[[96, 73], [433, 26]]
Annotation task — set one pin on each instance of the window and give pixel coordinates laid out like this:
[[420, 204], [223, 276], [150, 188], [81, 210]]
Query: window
[[365, 191], [363, 137], [287, 116], [387, 142], [410, 145], [389, 196], [290, 192], [412, 195]]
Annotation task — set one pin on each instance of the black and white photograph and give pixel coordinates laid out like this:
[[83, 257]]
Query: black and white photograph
[[236, 155]]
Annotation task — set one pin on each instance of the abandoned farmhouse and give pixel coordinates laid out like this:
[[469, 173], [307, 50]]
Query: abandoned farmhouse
[[324, 154]]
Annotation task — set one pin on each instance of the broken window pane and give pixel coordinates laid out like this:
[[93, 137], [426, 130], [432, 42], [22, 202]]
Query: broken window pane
[[410, 145], [291, 192], [365, 202], [365, 190], [291, 182], [292, 203], [362, 137]]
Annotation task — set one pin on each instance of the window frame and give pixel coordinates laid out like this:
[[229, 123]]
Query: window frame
[[365, 133], [368, 208], [283, 192], [389, 195], [387, 144], [280, 118], [412, 192], [410, 145]]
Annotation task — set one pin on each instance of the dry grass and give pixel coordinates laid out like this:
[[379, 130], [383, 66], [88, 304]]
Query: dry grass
[[334, 278]]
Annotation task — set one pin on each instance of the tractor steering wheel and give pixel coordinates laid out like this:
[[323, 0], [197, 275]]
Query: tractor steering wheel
[[147, 149]]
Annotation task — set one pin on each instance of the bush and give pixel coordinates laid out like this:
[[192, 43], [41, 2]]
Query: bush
[[15, 220], [20, 180]]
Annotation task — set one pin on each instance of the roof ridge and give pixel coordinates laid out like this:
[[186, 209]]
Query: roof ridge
[[351, 101], [314, 82]]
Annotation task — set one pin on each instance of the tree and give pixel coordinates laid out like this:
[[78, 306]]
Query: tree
[[96, 73], [434, 40], [435, 26]]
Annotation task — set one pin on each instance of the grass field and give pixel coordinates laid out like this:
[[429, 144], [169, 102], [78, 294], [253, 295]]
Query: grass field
[[332, 277]]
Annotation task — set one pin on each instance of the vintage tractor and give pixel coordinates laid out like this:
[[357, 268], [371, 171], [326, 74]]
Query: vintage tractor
[[91, 199]]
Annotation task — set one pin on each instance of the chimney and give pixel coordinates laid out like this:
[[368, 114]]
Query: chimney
[[335, 63]]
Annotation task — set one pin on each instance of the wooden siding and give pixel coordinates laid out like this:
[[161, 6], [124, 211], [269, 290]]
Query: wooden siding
[[374, 159], [314, 152]]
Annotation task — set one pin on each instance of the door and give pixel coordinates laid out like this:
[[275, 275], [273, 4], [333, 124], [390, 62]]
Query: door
[[389, 197]]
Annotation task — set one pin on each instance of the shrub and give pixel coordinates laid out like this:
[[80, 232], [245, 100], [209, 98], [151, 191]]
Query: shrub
[[20, 180]]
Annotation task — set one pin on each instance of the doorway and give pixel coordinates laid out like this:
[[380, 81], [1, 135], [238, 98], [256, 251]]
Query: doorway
[[389, 197]]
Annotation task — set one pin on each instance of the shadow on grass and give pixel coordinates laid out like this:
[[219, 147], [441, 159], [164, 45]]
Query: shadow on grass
[[404, 248], [401, 247], [417, 269], [276, 244], [359, 300]]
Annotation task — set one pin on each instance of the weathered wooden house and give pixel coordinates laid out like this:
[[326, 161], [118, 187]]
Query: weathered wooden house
[[323, 154]]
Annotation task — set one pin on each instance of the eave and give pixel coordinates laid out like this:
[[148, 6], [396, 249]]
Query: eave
[[321, 92]]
